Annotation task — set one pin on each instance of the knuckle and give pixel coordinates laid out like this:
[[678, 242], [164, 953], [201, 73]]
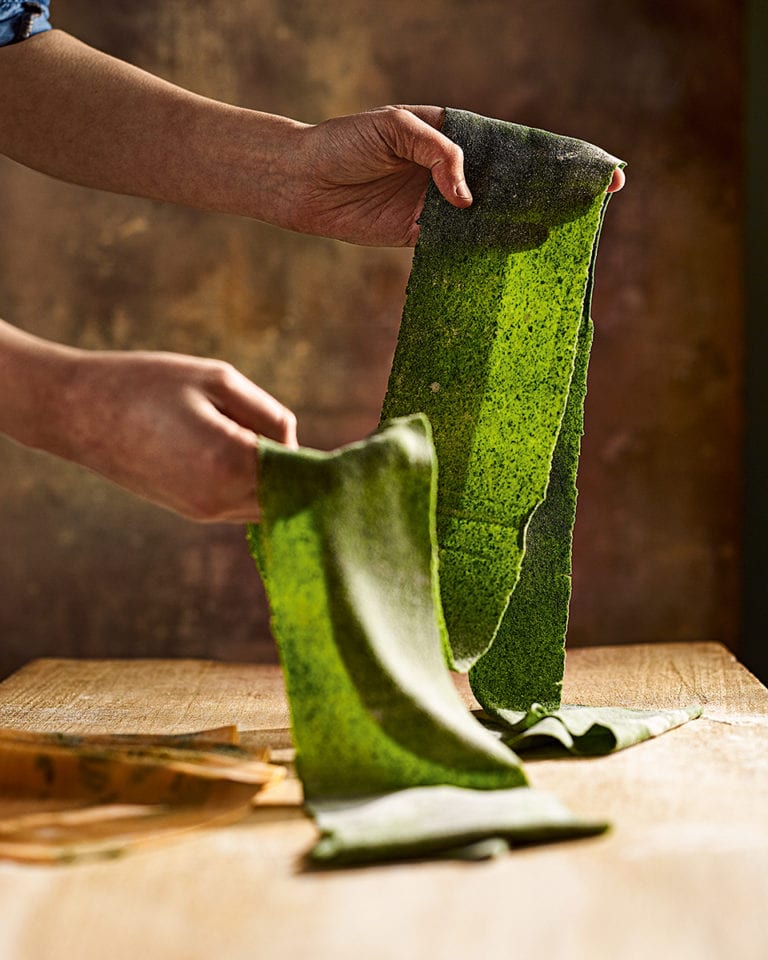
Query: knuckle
[[392, 110], [289, 418], [221, 374], [286, 425], [397, 119], [401, 112], [405, 119]]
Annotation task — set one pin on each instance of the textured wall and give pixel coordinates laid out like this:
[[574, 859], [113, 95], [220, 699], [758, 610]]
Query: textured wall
[[87, 570]]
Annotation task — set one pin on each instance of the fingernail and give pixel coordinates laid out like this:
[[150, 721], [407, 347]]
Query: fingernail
[[462, 191]]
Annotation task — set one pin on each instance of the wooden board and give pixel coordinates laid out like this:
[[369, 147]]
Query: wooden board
[[683, 874]]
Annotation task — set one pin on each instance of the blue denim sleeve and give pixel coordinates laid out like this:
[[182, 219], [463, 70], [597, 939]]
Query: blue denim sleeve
[[19, 20]]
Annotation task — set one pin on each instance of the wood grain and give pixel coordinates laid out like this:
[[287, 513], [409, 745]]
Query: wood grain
[[683, 874], [152, 696]]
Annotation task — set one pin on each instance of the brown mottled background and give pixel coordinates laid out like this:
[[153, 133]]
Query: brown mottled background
[[86, 570]]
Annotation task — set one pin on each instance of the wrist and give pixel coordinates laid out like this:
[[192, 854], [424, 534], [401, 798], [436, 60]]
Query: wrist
[[260, 166], [37, 386]]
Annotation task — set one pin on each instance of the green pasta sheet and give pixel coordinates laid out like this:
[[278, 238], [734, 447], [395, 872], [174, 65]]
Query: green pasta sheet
[[348, 556], [584, 731], [525, 663], [434, 821], [495, 322]]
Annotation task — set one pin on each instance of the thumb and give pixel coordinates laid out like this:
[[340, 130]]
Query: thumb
[[417, 140]]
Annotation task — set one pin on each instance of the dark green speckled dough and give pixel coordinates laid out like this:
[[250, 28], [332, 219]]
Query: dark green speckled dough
[[347, 553], [493, 347]]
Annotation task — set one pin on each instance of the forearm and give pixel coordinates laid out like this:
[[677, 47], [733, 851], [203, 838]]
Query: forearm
[[82, 116], [34, 385]]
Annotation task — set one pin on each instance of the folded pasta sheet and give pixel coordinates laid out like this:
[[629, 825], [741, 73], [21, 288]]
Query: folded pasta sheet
[[583, 731], [493, 347], [347, 552]]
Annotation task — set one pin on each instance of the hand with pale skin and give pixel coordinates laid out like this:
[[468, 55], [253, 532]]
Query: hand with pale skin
[[180, 431], [183, 431]]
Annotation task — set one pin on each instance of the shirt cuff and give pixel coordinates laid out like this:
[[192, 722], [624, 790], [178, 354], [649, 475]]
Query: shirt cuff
[[19, 21]]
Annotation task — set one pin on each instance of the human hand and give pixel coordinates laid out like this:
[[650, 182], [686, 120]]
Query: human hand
[[365, 176], [177, 430]]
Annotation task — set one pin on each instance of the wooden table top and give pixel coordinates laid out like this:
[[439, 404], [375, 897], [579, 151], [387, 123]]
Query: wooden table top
[[683, 874]]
